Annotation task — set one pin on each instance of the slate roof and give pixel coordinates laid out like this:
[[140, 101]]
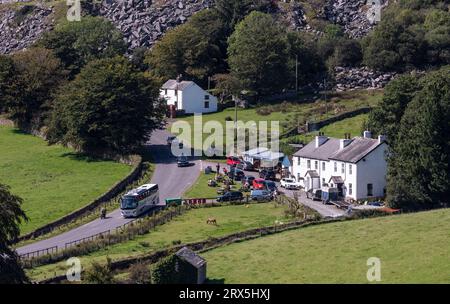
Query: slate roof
[[191, 257], [356, 150], [337, 180], [312, 173], [172, 84], [321, 153]]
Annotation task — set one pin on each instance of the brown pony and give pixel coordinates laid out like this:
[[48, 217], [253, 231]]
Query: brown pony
[[211, 221]]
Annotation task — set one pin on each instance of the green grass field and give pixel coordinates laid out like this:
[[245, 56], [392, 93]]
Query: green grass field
[[338, 129], [200, 188], [52, 180], [189, 227], [413, 248]]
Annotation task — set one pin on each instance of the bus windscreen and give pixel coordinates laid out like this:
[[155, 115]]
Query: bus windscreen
[[128, 203]]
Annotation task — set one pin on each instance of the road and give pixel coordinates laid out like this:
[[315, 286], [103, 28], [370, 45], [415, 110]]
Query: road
[[172, 182]]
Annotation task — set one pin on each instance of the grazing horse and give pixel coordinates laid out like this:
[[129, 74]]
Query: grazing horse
[[211, 221]]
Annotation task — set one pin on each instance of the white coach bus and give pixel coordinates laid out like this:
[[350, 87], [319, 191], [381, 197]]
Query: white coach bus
[[139, 200]]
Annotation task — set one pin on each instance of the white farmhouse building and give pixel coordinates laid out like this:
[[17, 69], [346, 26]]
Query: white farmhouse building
[[187, 96], [356, 167]]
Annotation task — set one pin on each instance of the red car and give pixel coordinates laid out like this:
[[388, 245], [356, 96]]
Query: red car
[[233, 161], [259, 184]]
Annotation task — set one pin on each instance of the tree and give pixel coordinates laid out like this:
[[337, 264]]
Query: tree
[[302, 51], [37, 75], [100, 274], [419, 170], [196, 49], [397, 43], [11, 215], [234, 11], [7, 74], [140, 274], [397, 95], [77, 43], [257, 54], [437, 26], [110, 107], [347, 53]]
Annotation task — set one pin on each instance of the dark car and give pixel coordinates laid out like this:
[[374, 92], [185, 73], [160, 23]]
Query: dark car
[[267, 174], [236, 174], [375, 204], [261, 195], [231, 196], [245, 165], [182, 161], [271, 186]]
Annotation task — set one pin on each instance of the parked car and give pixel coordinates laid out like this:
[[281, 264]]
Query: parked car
[[248, 179], [329, 194], [261, 195], [289, 183], [233, 161], [271, 186], [375, 204], [314, 194], [231, 196], [236, 174], [259, 184], [245, 165], [182, 161], [267, 174]]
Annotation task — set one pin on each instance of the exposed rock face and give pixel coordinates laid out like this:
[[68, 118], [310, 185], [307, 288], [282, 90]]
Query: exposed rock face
[[360, 78], [352, 15], [143, 22], [21, 28]]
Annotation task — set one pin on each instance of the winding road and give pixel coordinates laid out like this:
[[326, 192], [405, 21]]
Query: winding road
[[172, 182]]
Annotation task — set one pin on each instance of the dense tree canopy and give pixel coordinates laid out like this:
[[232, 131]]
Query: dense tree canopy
[[196, 49], [410, 34], [257, 54], [397, 95], [11, 215], [109, 107], [419, 163], [76, 43], [32, 76]]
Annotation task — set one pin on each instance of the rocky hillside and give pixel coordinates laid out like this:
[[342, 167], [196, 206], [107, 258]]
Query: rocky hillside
[[143, 22], [19, 28]]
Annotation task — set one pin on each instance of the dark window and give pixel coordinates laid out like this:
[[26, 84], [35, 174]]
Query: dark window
[[206, 104], [369, 190], [165, 92], [206, 97]]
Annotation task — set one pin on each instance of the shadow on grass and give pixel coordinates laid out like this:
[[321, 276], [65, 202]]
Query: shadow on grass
[[215, 281], [83, 157]]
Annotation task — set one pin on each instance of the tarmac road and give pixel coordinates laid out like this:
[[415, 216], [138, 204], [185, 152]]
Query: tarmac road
[[172, 182]]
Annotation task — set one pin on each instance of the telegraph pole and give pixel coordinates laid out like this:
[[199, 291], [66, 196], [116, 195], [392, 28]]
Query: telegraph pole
[[296, 73]]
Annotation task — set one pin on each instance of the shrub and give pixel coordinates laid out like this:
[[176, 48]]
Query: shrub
[[140, 274], [100, 274]]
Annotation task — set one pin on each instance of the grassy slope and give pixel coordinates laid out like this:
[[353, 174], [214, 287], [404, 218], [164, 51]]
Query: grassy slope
[[52, 180], [338, 129], [296, 111], [413, 248], [189, 227]]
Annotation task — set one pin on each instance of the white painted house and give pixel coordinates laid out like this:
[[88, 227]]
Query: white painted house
[[187, 96], [356, 167]]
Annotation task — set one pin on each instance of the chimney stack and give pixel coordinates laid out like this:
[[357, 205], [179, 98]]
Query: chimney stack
[[381, 138], [367, 134], [320, 139]]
